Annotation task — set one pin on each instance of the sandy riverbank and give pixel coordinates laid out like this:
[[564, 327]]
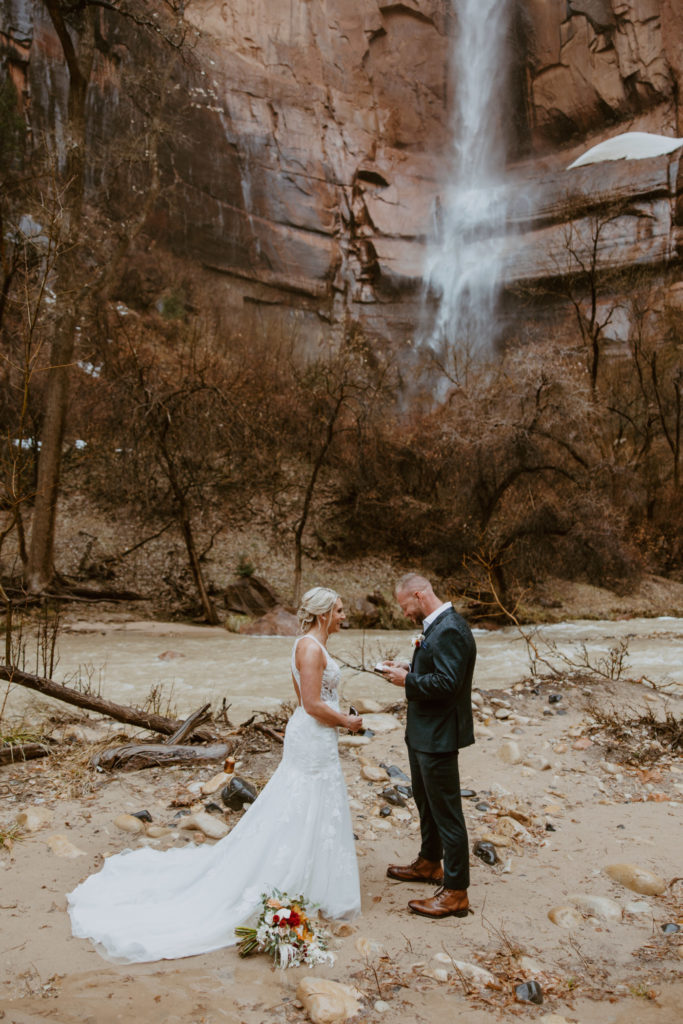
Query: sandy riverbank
[[581, 812]]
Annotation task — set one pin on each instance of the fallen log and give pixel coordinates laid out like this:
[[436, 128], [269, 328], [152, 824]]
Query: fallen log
[[267, 731], [119, 712], [188, 725], [11, 753], [154, 755]]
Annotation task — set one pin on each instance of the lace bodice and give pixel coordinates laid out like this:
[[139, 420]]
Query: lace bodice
[[329, 689]]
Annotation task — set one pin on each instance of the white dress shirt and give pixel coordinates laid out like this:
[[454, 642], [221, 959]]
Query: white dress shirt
[[435, 615]]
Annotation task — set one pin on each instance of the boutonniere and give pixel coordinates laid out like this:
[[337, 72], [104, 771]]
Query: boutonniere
[[417, 641]]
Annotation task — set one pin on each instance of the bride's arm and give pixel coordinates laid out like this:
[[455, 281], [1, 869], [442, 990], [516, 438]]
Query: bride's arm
[[311, 664]]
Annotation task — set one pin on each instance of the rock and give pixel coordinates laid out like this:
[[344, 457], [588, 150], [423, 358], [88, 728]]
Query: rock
[[129, 823], [402, 814], [482, 732], [509, 752], [63, 847], [379, 723], [394, 772], [349, 740], [467, 794], [277, 622], [327, 1002], [384, 812], [214, 783], [373, 773], [437, 973], [472, 972], [208, 824], [502, 713], [237, 793], [583, 743], [157, 831], [565, 917], [380, 1006], [670, 928], [639, 908], [529, 992], [510, 827], [477, 699], [393, 797], [597, 906], [486, 852], [495, 837], [250, 595], [554, 698], [33, 818], [367, 706], [638, 879], [143, 816], [538, 763]]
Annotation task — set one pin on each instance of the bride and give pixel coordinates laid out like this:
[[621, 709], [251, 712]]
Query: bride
[[297, 837]]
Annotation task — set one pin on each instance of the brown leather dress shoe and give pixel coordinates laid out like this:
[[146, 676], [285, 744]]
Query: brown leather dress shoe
[[444, 903], [420, 870]]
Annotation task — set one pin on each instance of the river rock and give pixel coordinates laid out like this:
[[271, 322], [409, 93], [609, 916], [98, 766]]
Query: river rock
[[373, 773], [597, 906], [380, 723], [477, 699], [537, 762], [529, 992], [502, 713], [237, 793], [326, 1001], [485, 851], [509, 827], [129, 823], [487, 836], [367, 706], [214, 783], [472, 972], [349, 740], [277, 622], [33, 818], [392, 796], [482, 732], [509, 752], [638, 879], [565, 917], [157, 831], [639, 908], [208, 824], [63, 847]]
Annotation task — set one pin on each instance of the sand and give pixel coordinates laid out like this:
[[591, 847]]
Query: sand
[[599, 812]]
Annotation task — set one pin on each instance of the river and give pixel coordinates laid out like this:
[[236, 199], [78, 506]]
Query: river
[[190, 665]]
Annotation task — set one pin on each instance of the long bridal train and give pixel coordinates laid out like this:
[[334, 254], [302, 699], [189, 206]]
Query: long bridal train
[[297, 837]]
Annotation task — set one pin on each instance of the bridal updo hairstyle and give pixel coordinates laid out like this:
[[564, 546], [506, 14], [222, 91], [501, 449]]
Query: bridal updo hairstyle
[[315, 602]]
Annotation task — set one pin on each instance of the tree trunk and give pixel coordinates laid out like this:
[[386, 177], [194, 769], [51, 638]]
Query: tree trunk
[[69, 292], [119, 712]]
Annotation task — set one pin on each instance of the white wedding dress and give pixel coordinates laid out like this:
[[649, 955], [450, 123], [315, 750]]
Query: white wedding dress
[[297, 837]]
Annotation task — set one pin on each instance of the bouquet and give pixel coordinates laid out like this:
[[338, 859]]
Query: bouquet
[[286, 931]]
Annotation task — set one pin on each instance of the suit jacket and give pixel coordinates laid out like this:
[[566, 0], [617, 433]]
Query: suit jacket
[[439, 687]]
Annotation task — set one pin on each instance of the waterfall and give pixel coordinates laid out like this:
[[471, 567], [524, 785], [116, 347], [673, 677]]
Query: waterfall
[[465, 256]]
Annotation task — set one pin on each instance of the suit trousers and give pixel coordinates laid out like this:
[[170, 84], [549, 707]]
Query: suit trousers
[[436, 789]]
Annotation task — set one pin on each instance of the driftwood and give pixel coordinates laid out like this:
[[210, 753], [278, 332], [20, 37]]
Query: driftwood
[[13, 752], [119, 712], [188, 726], [267, 731], [154, 755]]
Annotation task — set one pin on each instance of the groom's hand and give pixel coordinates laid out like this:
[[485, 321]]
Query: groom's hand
[[395, 672]]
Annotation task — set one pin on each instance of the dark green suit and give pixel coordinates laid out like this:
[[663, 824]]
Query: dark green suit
[[439, 696]]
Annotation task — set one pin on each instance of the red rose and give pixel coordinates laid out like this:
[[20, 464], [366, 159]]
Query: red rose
[[294, 919]]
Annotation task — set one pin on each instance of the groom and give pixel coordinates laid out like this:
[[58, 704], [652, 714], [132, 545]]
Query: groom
[[438, 688]]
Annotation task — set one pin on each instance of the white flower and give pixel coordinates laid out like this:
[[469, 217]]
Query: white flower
[[417, 641]]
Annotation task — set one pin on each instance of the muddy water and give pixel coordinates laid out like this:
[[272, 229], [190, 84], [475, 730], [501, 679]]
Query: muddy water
[[194, 664]]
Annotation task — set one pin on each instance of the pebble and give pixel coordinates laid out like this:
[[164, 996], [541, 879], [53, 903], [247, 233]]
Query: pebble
[[670, 928], [639, 908], [394, 772], [637, 879], [483, 806], [393, 797], [472, 972], [208, 824], [565, 917], [554, 698], [380, 723], [237, 793], [326, 1001], [33, 818], [582, 744], [367, 706], [483, 733], [214, 783], [467, 793], [509, 827], [380, 1006], [129, 823], [368, 947], [143, 816], [509, 752], [63, 847], [529, 992], [502, 713], [485, 851], [373, 773], [477, 699], [402, 814], [157, 831], [353, 741], [597, 906], [538, 762]]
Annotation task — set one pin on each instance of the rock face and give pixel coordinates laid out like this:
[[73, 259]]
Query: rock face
[[308, 162]]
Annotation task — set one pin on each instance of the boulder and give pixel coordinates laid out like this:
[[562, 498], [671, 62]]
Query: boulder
[[249, 595], [276, 622], [326, 1001]]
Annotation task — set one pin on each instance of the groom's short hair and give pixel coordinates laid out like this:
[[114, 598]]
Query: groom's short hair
[[412, 581]]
